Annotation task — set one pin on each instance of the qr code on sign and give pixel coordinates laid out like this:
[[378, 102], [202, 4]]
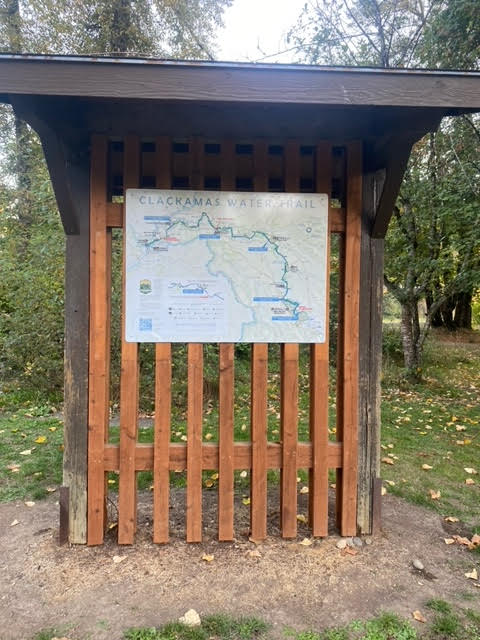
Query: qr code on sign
[[145, 324]]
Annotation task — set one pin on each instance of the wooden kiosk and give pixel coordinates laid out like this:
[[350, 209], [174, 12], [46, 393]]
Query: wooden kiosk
[[111, 124]]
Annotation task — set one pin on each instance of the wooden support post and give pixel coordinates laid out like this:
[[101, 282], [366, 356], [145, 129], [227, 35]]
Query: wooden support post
[[129, 380], [350, 335], [319, 355], [76, 354], [289, 429], [99, 346], [194, 442], [371, 291]]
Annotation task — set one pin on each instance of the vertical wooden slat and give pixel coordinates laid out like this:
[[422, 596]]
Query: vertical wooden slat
[[99, 341], [129, 380], [318, 480], [225, 450], [289, 386], [163, 385], [289, 421], [226, 391], [259, 383], [194, 442], [258, 419], [161, 451], [351, 303]]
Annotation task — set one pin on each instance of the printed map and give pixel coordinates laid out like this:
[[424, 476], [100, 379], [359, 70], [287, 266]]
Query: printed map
[[225, 267]]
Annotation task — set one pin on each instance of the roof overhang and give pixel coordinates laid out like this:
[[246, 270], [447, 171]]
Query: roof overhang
[[66, 98]]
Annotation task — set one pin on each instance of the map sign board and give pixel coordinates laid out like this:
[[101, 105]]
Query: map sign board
[[216, 266]]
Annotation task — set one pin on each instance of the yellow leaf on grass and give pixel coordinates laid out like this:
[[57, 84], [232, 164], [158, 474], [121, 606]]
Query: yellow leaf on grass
[[473, 574], [41, 440], [208, 436], [391, 483], [470, 470], [419, 617], [469, 481], [426, 467], [209, 483], [387, 460], [467, 441], [207, 557], [110, 481], [301, 517], [52, 428], [27, 452], [246, 501], [435, 495], [243, 474], [214, 476], [460, 427], [451, 519]]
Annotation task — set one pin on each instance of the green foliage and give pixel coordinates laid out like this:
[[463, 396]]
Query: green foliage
[[219, 626]]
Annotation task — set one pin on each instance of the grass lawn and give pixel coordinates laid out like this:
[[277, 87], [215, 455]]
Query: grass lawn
[[447, 624]]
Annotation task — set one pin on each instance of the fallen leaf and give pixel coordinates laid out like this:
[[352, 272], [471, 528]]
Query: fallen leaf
[[473, 574], [435, 495], [254, 553], [301, 517], [110, 481], [112, 525], [41, 440], [243, 427], [470, 470], [246, 501], [243, 474], [184, 438], [387, 460], [467, 441], [451, 519], [460, 427], [209, 483], [118, 559], [306, 542], [476, 539], [348, 551], [391, 483], [51, 489], [426, 467], [27, 452], [214, 476], [304, 490], [384, 491], [208, 436], [29, 503], [207, 557], [469, 481], [14, 468], [449, 540], [418, 616], [14, 523], [52, 428], [333, 485]]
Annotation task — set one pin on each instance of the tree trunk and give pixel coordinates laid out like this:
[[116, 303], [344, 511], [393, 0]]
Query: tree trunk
[[410, 332], [463, 311], [437, 320]]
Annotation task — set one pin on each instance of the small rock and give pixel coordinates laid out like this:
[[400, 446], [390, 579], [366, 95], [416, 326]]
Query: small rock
[[358, 542], [368, 541], [342, 543], [191, 619], [418, 564], [349, 542]]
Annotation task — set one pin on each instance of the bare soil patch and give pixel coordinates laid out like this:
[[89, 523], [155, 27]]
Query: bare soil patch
[[44, 585]]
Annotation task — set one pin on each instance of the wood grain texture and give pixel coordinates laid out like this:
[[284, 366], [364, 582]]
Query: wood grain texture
[[242, 456], [370, 353], [77, 300], [194, 442], [238, 83], [99, 346], [289, 435], [129, 382], [319, 361], [226, 444], [348, 526], [258, 430], [161, 460], [163, 385]]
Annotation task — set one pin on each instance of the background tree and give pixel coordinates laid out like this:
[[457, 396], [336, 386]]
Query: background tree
[[433, 242], [31, 237]]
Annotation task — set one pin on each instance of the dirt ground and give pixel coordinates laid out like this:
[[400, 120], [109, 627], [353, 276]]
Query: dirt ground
[[85, 592]]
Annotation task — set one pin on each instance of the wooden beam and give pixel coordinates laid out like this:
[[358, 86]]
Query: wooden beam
[[242, 456], [61, 162], [370, 353], [76, 357], [212, 82]]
